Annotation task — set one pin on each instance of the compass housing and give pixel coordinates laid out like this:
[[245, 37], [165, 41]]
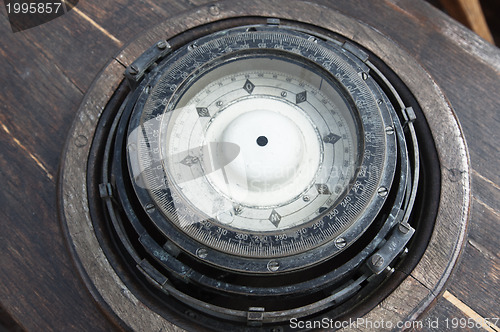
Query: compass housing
[[241, 231], [242, 208]]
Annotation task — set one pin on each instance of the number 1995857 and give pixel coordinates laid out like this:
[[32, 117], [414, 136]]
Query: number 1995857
[[33, 8]]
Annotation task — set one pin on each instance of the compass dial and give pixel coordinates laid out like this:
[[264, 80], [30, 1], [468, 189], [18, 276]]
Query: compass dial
[[261, 144], [277, 143]]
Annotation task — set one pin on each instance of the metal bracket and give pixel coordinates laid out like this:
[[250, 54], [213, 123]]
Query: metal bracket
[[358, 53], [273, 21], [255, 316], [138, 68], [381, 259], [151, 273], [105, 190], [408, 115]]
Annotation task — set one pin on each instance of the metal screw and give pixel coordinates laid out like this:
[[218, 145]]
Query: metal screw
[[150, 208], [191, 314], [382, 191], [404, 227], [306, 198], [364, 76], [202, 253], [161, 44], [340, 242], [313, 39], [273, 266], [380, 101], [133, 70], [389, 130], [454, 174], [377, 260], [214, 10], [81, 141]]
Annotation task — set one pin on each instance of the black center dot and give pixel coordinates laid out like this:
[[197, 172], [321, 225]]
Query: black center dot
[[262, 140]]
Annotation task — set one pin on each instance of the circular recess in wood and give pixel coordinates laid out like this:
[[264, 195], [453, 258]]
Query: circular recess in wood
[[382, 113]]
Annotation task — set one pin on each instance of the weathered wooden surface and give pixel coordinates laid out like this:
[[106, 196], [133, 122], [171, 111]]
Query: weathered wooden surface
[[469, 13], [46, 70]]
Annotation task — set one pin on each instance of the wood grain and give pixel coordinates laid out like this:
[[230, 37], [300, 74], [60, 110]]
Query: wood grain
[[392, 309], [477, 277], [469, 13], [40, 288], [30, 101], [486, 192], [435, 319]]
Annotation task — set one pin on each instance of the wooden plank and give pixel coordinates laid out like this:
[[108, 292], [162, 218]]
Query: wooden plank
[[81, 42], [444, 317], [70, 44], [469, 13], [126, 20], [392, 311], [483, 229], [39, 287], [486, 192], [477, 278], [29, 101]]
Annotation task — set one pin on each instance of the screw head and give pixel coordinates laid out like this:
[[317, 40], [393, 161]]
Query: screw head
[[340, 242], [377, 260], [214, 10], [202, 253], [81, 141], [404, 228], [149, 207], [162, 44], [191, 314], [454, 174], [382, 191], [273, 266], [133, 70]]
